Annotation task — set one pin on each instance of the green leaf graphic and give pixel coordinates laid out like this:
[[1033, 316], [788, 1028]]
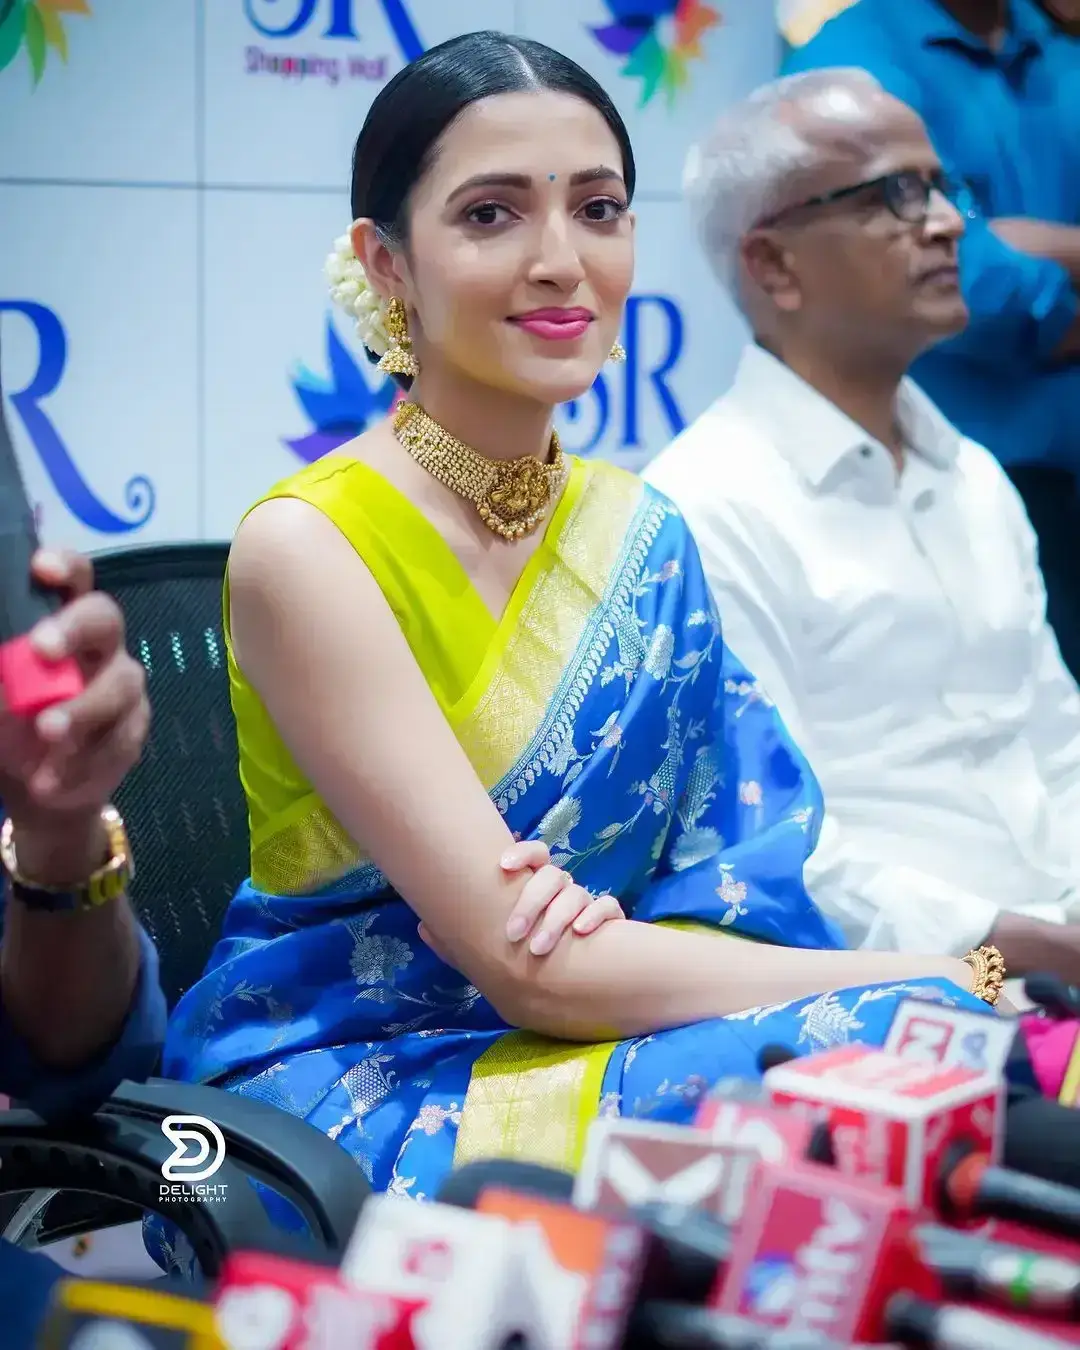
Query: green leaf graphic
[[12, 21], [35, 42]]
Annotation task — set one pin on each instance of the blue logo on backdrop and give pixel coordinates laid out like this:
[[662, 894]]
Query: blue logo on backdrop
[[282, 20], [57, 459], [611, 415], [639, 383], [340, 406], [333, 19]]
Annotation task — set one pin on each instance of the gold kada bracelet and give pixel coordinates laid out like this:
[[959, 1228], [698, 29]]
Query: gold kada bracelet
[[989, 967]]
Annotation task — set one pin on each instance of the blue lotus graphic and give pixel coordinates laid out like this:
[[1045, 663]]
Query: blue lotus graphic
[[341, 405]]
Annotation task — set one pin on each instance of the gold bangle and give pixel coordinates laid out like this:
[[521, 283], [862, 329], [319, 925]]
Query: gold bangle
[[989, 967]]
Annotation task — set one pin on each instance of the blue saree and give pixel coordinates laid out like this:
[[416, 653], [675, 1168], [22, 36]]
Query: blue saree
[[610, 721]]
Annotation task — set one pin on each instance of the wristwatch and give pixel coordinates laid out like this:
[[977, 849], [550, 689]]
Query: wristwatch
[[107, 883]]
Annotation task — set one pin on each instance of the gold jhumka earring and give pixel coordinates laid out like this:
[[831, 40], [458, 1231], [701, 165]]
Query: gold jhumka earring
[[399, 358]]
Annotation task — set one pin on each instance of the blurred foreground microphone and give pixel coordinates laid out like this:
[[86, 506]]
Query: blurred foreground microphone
[[739, 1115], [683, 1248], [959, 1038], [1057, 998], [1027, 1051], [975, 1268], [583, 1270], [90, 1315], [275, 1303], [459, 1275], [817, 1252], [914, 1322], [464, 1185], [29, 682], [952, 1038], [936, 1134], [676, 1326], [628, 1163]]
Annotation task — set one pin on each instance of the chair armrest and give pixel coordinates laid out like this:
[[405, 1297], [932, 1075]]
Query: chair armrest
[[118, 1153], [288, 1155]]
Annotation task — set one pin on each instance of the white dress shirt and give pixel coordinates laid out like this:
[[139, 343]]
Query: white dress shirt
[[899, 624]]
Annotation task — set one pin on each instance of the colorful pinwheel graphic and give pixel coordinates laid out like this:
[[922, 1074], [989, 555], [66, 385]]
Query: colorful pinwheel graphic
[[39, 25], [659, 39], [342, 405]]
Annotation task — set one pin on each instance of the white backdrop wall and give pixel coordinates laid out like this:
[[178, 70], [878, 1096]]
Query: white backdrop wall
[[169, 192]]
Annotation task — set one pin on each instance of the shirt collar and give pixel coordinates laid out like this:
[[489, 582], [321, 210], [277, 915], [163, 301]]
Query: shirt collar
[[814, 435], [1029, 27]]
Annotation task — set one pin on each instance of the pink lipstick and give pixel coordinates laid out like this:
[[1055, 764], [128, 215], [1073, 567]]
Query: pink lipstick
[[555, 325]]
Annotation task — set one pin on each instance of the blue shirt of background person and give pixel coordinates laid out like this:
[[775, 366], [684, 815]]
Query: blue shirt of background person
[[26, 1278], [81, 1004], [1005, 118]]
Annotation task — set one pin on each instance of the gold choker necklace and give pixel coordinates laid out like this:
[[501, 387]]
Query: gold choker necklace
[[511, 495]]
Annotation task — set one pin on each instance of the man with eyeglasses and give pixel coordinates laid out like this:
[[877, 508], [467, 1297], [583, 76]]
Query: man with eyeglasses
[[998, 84], [871, 565]]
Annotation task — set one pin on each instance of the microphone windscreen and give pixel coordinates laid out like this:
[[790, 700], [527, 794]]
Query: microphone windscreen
[[1042, 1138], [664, 1325], [691, 1249], [464, 1186], [1057, 997], [772, 1056]]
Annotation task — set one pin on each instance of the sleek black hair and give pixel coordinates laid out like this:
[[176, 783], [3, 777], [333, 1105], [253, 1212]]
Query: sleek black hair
[[403, 126]]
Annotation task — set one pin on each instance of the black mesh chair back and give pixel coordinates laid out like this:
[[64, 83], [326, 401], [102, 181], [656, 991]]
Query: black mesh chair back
[[183, 803]]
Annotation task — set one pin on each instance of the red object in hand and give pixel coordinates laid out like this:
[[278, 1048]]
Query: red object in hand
[[31, 683]]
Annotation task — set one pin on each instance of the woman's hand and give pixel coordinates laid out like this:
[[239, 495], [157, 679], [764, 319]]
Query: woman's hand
[[550, 902]]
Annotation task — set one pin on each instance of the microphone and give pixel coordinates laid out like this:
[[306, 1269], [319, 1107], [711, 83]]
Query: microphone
[[676, 1326], [629, 1163], [583, 1270], [1043, 1140], [684, 1247], [952, 1037], [973, 1267], [820, 1253], [893, 1119], [746, 1120], [465, 1184], [1058, 999], [915, 1322], [94, 1315], [971, 1187], [30, 683], [936, 1134], [459, 1272], [266, 1302]]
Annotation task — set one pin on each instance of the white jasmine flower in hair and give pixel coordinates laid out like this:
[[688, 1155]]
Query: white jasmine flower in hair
[[351, 290]]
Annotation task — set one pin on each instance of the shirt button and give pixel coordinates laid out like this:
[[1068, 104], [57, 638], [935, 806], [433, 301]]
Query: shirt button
[[866, 451]]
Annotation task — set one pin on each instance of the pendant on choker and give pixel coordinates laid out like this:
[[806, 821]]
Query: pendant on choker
[[511, 496]]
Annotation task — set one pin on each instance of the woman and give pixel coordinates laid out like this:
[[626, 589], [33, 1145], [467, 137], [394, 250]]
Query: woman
[[444, 638]]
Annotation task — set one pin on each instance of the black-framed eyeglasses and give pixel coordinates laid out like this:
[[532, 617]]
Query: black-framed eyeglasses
[[906, 193]]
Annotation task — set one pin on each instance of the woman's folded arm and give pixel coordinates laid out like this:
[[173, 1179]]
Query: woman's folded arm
[[318, 642]]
